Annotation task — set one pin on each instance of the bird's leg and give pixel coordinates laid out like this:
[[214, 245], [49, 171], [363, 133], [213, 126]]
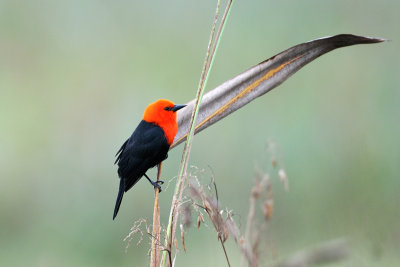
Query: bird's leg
[[156, 184]]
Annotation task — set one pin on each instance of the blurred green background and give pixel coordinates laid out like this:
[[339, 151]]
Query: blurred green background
[[75, 77]]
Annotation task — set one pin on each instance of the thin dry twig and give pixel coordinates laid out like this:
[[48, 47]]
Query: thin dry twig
[[135, 229], [261, 193], [155, 251], [251, 238], [226, 254], [210, 205]]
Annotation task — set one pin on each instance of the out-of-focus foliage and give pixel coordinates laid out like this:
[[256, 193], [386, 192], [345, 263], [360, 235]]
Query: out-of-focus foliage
[[75, 77]]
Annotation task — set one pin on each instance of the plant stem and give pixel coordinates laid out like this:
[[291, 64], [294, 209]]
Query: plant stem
[[226, 254], [249, 224], [155, 241], [173, 218]]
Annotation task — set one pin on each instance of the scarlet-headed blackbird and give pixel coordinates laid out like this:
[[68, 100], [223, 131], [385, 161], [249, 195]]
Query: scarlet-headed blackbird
[[147, 146]]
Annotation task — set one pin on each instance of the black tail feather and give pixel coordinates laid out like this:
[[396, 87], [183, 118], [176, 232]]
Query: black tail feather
[[119, 197]]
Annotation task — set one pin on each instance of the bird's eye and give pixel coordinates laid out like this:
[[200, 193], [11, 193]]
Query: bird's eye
[[167, 108]]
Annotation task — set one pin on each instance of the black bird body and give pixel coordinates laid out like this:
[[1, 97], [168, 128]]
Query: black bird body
[[146, 148]]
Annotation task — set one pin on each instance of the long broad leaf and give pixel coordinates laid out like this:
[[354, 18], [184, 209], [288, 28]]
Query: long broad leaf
[[258, 80]]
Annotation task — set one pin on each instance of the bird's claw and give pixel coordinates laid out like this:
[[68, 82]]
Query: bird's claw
[[156, 184]]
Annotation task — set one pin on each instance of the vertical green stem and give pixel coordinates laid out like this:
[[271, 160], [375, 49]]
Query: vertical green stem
[[210, 55]]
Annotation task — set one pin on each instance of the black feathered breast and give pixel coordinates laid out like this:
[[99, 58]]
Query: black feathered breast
[[146, 148]]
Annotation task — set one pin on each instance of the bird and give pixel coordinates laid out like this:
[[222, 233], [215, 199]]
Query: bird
[[147, 146]]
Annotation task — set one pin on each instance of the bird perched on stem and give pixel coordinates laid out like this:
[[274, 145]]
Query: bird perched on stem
[[147, 147]]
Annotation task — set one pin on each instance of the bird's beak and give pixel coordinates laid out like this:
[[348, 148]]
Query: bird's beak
[[177, 107]]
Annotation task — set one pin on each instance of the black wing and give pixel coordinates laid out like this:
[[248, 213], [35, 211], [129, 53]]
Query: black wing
[[146, 148], [118, 155]]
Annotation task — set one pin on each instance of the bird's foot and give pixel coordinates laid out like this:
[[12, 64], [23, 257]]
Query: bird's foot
[[157, 184]]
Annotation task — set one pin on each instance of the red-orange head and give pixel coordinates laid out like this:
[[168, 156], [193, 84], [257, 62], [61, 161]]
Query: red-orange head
[[163, 113]]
